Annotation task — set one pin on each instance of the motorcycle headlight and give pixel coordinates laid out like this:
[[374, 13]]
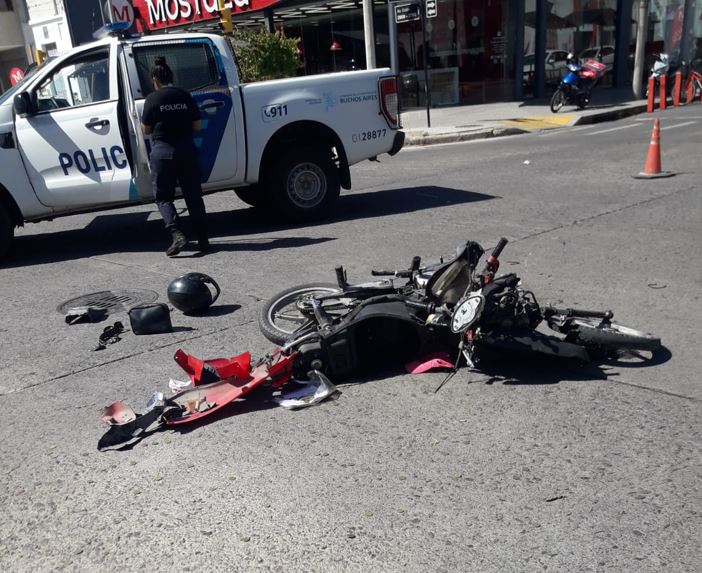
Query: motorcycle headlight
[[466, 312]]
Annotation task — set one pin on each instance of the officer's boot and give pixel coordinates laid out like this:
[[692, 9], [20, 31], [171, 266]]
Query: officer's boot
[[179, 241]]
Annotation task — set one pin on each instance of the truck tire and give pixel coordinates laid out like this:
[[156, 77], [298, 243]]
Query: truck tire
[[254, 195], [7, 230], [304, 183]]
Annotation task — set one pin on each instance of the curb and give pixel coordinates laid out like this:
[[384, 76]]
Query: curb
[[420, 137], [611, 115], [488, 133]]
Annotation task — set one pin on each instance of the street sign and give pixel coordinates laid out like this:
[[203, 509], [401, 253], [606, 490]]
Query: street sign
[[16, 75], [121, 11], [431, 8], [407, 13]]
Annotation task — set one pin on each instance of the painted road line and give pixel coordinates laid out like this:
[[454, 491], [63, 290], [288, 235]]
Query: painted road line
[[614, 129], [564, 131], [678, 125], [650, 118], [539, 122]]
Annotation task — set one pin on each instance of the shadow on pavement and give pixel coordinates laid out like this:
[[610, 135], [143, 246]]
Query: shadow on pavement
[[532, 368], [535, 369], [217, 310], [119, 232]]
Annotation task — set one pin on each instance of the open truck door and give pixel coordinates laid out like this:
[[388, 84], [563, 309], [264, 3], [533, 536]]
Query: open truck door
[[198, 68]]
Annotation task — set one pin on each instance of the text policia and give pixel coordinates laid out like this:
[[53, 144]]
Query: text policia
[[95, 161]]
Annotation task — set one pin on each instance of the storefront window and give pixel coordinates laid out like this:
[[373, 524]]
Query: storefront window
[[671, 32], [695, 28], [585, 28], [329, 42], [469, 54]]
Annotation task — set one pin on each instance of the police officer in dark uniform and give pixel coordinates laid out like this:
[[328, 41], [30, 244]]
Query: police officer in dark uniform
[[171, 116]]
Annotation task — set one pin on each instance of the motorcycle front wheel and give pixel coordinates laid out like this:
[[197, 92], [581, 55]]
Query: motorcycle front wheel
[[613, 336], [558, 100], [287, 311], [583, 100]]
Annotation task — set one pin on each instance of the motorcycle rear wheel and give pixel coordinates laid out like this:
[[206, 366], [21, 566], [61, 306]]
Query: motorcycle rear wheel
[[558, 100], [613, 336], [280, 316]]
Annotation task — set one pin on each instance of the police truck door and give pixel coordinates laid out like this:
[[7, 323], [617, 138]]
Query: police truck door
[[199, 68], [71, 145]]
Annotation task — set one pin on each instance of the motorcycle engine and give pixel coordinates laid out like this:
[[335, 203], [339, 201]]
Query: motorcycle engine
[[512, 308]]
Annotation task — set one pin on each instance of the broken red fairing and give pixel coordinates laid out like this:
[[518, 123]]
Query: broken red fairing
[[240, 380], [204, 371], [215, 396], [117, 414]]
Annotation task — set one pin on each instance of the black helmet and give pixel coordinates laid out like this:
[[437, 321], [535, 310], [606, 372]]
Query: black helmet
[[190, 293]]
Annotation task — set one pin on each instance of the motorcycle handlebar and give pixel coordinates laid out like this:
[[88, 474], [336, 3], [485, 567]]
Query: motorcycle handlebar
[[498, 248], [384, 273]]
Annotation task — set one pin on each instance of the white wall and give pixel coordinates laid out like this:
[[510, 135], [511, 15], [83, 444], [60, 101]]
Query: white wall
[[41, 9], [49, 27], [10, 30]]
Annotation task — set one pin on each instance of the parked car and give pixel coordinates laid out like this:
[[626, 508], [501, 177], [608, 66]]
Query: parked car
[[604, 54], [555, 64]]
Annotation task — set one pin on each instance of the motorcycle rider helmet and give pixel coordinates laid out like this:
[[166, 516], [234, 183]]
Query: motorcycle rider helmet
[[570, 58], [190, 294]]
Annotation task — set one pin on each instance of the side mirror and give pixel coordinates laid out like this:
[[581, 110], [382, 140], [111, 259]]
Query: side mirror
[[23, 104]]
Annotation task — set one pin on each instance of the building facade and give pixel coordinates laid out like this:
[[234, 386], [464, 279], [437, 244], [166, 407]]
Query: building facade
[[475, 51], [48, 26], [13, 55]]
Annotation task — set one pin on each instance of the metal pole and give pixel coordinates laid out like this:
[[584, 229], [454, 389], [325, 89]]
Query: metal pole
[[369, 33], [518, 92], [427, 91], [621, 56], [540, 50], [640, 54], [392, 38], [268, 19]]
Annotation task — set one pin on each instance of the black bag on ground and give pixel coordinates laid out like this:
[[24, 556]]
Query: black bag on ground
[[150, 318]]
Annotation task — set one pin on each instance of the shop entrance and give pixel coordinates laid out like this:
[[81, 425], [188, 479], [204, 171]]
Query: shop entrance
[[470, 47]]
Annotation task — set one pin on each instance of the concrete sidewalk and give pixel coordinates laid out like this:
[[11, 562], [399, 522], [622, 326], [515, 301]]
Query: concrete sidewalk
[[464, 123]]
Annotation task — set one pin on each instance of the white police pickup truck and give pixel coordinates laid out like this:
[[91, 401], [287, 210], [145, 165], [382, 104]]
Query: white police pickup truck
[[71, 140]]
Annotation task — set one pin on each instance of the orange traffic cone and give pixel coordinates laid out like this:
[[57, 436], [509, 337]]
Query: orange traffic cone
[[652, 170]]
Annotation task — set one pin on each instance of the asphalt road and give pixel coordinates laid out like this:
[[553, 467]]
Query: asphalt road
[[524, 467]]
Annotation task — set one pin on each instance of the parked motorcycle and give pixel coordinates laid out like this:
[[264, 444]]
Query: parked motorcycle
[[662, 66], [577, 84], [344, 329]]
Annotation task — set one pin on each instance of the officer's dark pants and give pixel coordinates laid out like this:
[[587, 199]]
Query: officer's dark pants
[[171, 164]]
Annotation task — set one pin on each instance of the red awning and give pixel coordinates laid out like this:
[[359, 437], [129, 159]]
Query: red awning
[[162, 14]]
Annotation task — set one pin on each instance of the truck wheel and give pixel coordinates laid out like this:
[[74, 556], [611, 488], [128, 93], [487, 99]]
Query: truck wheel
[[7, 230], [305, 183], [254, 195]]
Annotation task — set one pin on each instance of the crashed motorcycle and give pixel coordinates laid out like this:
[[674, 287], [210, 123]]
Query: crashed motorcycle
[[345, 329], [326, 332]]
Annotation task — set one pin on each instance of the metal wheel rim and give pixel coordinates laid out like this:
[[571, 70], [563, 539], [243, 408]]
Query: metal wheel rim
[[307, 185], [620, 329], [286, 309], [560, 100]]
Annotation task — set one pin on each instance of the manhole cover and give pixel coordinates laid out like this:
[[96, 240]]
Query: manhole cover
[[111, 300]]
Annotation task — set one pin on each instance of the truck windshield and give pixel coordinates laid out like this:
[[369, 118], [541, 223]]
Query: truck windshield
[[14, 89]]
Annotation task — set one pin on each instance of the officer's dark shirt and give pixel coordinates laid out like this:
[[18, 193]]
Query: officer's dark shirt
[[171, 112]]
